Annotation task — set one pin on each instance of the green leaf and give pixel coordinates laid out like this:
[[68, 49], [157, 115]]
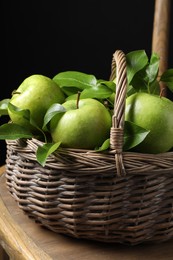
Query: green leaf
[[154, 88], [51, 112], [167, 78], [130, 90], [25, 113], [75, 79], [136, 60], [139, 83], [69, 91], [145, 80], [72, 81], [104, 146], [109, 84], [44, 151], [100, 91], [11, 131], [133, 135], [153, 68], [4, 106]]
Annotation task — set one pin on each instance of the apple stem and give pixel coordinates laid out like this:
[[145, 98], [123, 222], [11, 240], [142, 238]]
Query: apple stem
[[15, 92], [161, 92], [78, 98]]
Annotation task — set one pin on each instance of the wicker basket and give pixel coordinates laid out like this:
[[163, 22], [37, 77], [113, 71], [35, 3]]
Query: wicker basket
[[111, 196]]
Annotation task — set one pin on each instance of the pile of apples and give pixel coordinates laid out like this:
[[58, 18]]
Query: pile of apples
[[77, 123], [74, 109]]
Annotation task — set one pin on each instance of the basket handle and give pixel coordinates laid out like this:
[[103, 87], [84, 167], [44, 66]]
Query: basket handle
[[160, 36], [116, 133]]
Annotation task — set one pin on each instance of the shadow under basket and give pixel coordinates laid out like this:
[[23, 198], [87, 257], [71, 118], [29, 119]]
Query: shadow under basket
[[111, 196]]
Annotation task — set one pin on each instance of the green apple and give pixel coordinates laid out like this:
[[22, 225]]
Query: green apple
[[36, 93], [153, 113], [85, 126]]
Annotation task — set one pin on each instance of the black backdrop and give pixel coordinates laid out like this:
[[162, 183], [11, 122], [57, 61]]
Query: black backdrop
[[48, 37]]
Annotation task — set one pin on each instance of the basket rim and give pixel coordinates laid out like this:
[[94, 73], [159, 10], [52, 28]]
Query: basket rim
[[135, 163]]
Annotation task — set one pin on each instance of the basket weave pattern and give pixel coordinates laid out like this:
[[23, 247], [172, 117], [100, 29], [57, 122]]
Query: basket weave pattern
[[111, 196]]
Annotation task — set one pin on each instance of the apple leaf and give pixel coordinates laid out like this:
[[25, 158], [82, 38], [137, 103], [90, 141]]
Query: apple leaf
[[141, 83], [75, 79], [25, 113], [69, 91], [110, 84], [154, 88], [72, 81], [11, 131], [51, 112], [167, 78], [44, 151], [104, 146], [145, 80], [130, 90], [136, 60], [152, 68], [133, 135], [4, 106], [138, 82], [100, 91]]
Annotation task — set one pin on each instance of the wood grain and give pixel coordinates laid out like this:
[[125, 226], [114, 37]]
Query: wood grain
[[160, 37]]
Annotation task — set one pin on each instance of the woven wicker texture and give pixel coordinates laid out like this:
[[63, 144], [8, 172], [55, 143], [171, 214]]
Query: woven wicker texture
[[112, 196]]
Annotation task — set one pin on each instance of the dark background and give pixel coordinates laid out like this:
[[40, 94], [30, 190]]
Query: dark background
[[47, 37]]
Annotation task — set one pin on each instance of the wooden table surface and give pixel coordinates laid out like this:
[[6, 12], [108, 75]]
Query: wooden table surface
[[22, 238]]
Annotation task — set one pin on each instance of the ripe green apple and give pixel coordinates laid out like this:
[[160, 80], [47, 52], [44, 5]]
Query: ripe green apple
[[36, 93], [85, 126], [153, 113]]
